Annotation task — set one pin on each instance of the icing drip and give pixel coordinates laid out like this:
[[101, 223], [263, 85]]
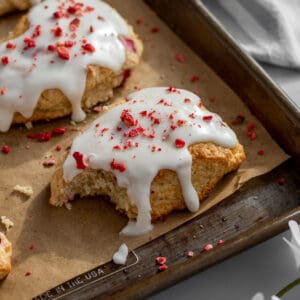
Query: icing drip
[[63, 39], [120, 257], [150, 132]]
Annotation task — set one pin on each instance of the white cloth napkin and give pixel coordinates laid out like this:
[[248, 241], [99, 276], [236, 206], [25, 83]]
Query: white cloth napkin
[[269, 30]]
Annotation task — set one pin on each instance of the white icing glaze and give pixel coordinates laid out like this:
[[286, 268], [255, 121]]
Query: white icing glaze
[[175, 122], [30, 72], [120, 257]]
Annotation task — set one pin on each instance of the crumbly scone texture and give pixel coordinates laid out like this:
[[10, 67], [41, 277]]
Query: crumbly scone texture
[[5, 256], [7, 6], [210, 163], [99, 85]]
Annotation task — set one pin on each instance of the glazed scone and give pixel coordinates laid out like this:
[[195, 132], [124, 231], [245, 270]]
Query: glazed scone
[[5, 256], [160, 151], [7, 6], [71, 58]]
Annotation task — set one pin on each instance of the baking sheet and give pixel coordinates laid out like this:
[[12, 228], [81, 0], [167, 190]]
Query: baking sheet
[[70, 242]]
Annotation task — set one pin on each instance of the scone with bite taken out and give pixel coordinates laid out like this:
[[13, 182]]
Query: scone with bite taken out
[[157, 151], [63, 58]]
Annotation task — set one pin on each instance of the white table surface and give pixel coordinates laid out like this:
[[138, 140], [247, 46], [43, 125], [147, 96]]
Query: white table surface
[[267, 267]]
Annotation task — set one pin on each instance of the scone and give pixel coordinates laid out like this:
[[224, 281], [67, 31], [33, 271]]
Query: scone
[[63, 59], [5, 256], [158, 151], [7, 6]]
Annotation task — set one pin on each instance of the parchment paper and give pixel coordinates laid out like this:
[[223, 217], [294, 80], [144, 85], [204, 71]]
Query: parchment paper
[[70, 242]]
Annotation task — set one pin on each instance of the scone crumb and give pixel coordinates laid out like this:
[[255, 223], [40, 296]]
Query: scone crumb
[[26, 190], [28, 125], [68, 205], [8, 224]]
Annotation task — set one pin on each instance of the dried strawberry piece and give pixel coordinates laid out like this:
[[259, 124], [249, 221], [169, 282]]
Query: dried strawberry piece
[[11, 46], [128, 43], [117, 147], [261, 152], [37, 31], [63, 53], [136, 131], [31, 136], [79, 158], [59, 130], [220, 242], [51, 48], [30, 42], [281, 180], [5, 60], [72, 9], [179, 57], [44, 136], [251, 126], [194, 78], [5, 149], [190, 254], [161, 260], [252, 135], [143, 113], [179, 143], [207, 247], [69, 44], [154, 29], [92, 29], [58, 148], [58, 15], [139, 21], [88, 47], [207, 118], [74, 24], [32, 247], [163, 267], [127, 118], [58, 31], [3, 91], [28, 273], [117, 166]]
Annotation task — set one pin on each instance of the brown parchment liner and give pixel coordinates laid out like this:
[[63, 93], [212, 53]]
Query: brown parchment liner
[[70, 242]]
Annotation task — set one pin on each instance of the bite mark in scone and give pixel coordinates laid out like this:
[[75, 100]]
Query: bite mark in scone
[[63, 60], [159, 151], [5, 256]]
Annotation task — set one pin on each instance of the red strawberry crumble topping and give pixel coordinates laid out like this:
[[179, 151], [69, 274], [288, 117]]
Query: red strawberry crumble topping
[[127, 118], [207, 118], [44, 136], [59, 130], [5, 149], [161, 260], [163, 267], [63, 53], [79, 158], [89, 47], [207, 247], [179, 143], [179, 57], [5, 60], [117, 166]]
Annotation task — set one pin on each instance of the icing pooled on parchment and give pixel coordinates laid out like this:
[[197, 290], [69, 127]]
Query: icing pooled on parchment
[[148, 133], [64, 37], [120, 257]]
